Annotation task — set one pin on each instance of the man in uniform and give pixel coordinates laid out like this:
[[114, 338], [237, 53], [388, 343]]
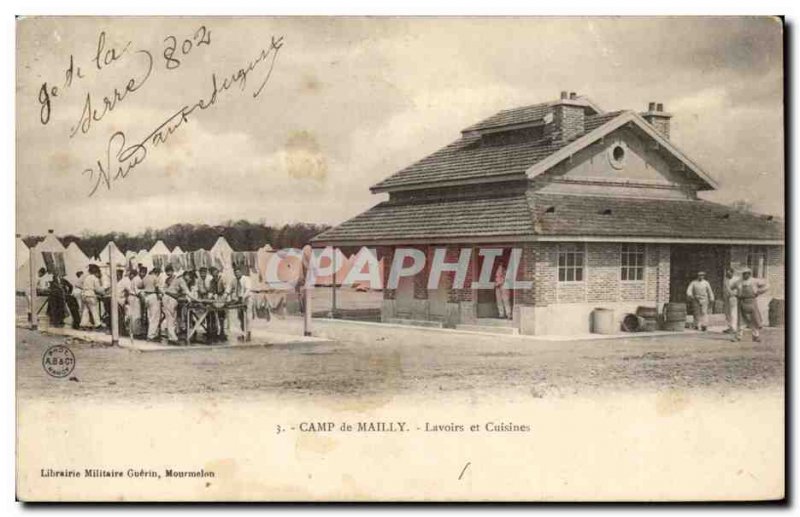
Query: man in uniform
[[729, 298], [702, 297], [240, 291], [216, 320], [151, 289], [77, 287], [747, 290], [502, 294], [175, 289], [91, 289], [204, 281]]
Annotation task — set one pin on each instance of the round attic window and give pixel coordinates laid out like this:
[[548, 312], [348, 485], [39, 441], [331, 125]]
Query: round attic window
[[617, 154]]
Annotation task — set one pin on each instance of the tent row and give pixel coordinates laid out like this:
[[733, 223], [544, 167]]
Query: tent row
[[257, 264]]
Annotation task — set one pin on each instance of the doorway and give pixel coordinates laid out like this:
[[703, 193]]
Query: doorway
[[687, 259]]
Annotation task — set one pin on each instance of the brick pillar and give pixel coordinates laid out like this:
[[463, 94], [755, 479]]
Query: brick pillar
[[464, 294], [386, 255], [527, 272], [776, 276], [421, 278], [662, 274], [388, 306], [546, 274], [525, 299]]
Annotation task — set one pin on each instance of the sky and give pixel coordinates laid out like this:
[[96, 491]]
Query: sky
[[350, 101]]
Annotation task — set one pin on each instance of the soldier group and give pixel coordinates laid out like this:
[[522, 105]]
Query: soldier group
[[149, 302], [740, 294]]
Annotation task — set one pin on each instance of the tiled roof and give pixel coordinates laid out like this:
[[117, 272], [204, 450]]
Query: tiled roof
[[514, 116], [467, 158], [478, 216], [527, 215], [606, 216]]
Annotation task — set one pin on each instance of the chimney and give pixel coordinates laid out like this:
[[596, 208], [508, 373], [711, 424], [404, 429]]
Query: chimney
[[657, 118], [568, 118]]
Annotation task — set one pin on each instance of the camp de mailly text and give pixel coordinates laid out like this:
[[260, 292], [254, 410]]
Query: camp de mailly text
[[401, 427]]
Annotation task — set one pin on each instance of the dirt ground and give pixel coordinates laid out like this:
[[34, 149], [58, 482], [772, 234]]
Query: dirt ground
[[438, 364]]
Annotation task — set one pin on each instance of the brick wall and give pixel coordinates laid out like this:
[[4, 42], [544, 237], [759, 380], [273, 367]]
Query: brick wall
[[602, 275], [546, 274], [660, 123], [568, 123], [776, 276]]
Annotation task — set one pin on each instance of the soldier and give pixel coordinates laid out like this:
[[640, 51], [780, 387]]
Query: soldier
[[92, 287], [241, 294], [502, 294], [216, 320], [175, 290], [151, 288], [729, 298], [747, 290], [702, 297], [204, 281]]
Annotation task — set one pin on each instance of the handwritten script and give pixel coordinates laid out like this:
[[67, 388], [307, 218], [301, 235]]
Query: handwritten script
[[122, 155]]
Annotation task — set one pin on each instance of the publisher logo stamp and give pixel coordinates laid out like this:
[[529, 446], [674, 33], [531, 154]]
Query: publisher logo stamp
[[58, 361]]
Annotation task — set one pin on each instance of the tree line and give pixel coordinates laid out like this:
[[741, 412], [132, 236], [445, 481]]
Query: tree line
[[241, 235]]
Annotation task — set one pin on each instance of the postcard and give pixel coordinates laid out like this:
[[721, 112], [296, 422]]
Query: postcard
[[400, 259]]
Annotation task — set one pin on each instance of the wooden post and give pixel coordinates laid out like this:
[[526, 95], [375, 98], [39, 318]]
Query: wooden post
[[247, 335], [333, 284], [34, 314], [114, 305], [307, 313]]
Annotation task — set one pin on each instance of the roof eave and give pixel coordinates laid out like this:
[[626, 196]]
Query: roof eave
[[510, 239], [500, 178]]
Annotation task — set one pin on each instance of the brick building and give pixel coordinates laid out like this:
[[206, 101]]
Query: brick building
[[604, 206]]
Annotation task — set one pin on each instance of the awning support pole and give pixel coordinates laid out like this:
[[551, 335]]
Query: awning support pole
[[34, 316], [114, 306]]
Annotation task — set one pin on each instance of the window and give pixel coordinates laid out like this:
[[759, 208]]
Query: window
[[570, 264], [757, 260], [617, 155], [632, 262]]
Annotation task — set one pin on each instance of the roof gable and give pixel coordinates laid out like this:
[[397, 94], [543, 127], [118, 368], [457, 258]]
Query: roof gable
[[623, 119]]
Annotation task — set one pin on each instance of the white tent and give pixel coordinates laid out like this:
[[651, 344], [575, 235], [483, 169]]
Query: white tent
[[50, 243], [23, 268], [74, 260], [159, 248], [107, 253], [223, 251], [143, 258], [177, 251]]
